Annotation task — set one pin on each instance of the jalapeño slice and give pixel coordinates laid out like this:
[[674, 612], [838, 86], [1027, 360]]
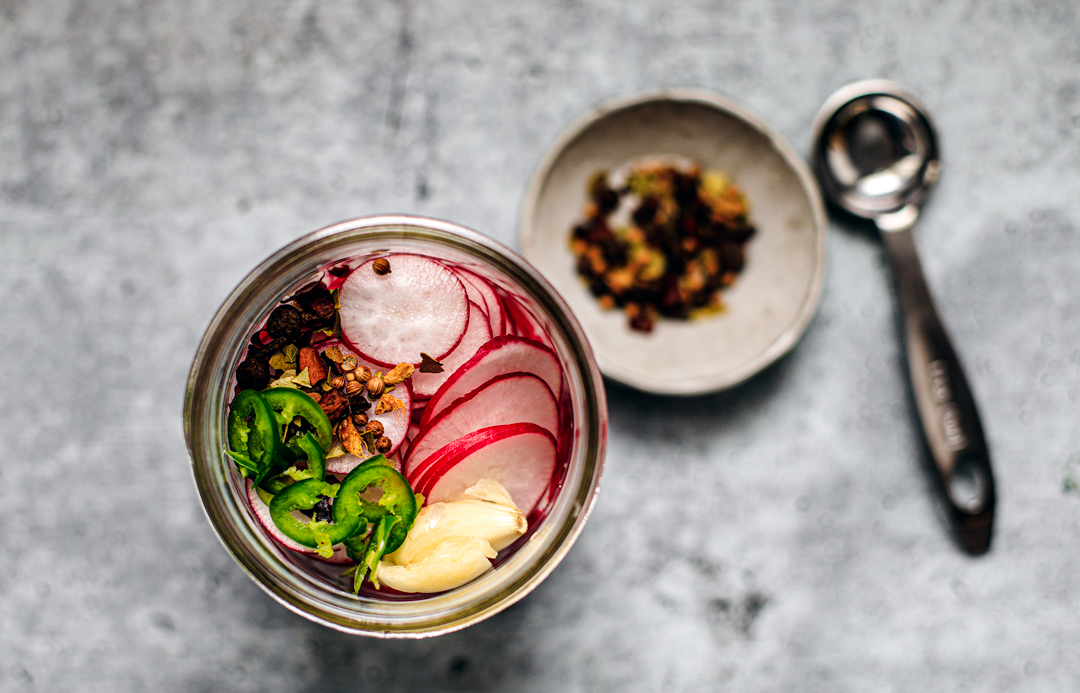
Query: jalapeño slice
[[254, 435], [289, 403], [314, 533]]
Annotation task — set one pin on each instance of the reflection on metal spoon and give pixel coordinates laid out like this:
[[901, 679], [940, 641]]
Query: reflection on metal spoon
[[876, 157]]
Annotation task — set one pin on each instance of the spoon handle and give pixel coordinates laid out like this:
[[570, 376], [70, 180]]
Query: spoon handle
[[950, 420]]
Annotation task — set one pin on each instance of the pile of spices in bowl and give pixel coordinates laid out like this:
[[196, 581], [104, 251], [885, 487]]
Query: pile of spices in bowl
[[662, 239]]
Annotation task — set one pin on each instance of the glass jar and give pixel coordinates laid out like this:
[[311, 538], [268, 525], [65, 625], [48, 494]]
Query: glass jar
[[310, 587]]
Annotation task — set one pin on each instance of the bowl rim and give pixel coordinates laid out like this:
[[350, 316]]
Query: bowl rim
[[296, 589], [795, 330]]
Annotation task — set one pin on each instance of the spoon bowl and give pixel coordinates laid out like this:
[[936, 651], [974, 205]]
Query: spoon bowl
[[875, 149], [875, 154]]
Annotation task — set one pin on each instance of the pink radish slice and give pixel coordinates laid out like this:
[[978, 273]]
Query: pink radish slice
[[519, 456], [262, 513], [343, 464], [395, 423], [499, 356], [420, 306], [410, 436], [510, 398], [477, 334], [472, 292], [520, 321], [494, 308]]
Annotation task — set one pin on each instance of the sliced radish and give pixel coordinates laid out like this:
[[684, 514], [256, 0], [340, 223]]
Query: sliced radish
[[472, 291], [520, 321], [410, 436], [395, 423], [419, 306], [486, 289], [343, 464], [476, 335], [510, 398], [262, 513], [519, 456], [499, 356]]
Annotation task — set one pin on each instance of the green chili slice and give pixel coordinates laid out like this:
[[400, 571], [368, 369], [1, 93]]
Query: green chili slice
[[396, 498], [289, 403], [381, 495], [253, 434], [316, 534], [306, 449]]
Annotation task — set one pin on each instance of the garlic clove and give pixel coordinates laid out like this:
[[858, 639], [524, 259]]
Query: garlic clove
[[450, 563], [488, 490], [451, 543], [498, 525]]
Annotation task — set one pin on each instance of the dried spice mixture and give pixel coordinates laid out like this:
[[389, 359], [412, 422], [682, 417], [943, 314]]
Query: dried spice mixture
[[662, 240]]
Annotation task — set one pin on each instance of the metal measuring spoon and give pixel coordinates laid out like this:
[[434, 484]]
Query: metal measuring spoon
[[876, 156]]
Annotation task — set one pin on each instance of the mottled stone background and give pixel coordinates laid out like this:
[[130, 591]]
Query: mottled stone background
[[778, 537]]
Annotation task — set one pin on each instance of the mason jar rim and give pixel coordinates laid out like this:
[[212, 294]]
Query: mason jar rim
[[277, 573]]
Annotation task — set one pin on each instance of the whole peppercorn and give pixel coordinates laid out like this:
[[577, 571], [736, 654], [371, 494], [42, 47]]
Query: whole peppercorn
[[383, 444], [253, 373], [360, 420], [284, 322], [375, 386], [381, 266], [375, 427]]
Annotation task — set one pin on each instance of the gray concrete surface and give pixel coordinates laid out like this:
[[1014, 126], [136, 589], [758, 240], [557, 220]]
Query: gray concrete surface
[[778, 537]]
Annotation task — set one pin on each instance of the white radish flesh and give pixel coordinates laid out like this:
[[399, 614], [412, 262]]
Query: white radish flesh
[[500, 356], [510, 398], [420, 306], [519, 456], [476, 335]]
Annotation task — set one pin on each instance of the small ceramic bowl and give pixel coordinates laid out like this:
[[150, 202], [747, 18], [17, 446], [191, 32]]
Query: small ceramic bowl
[[773, 299]]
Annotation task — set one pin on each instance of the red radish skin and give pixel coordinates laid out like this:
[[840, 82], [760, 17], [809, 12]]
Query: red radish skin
[[520, 321], [262, 514], [422, 476], [420, 306], [519, 456], [477, 334], [510, 398], [499, 356], [494, 308], [472, 291]]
